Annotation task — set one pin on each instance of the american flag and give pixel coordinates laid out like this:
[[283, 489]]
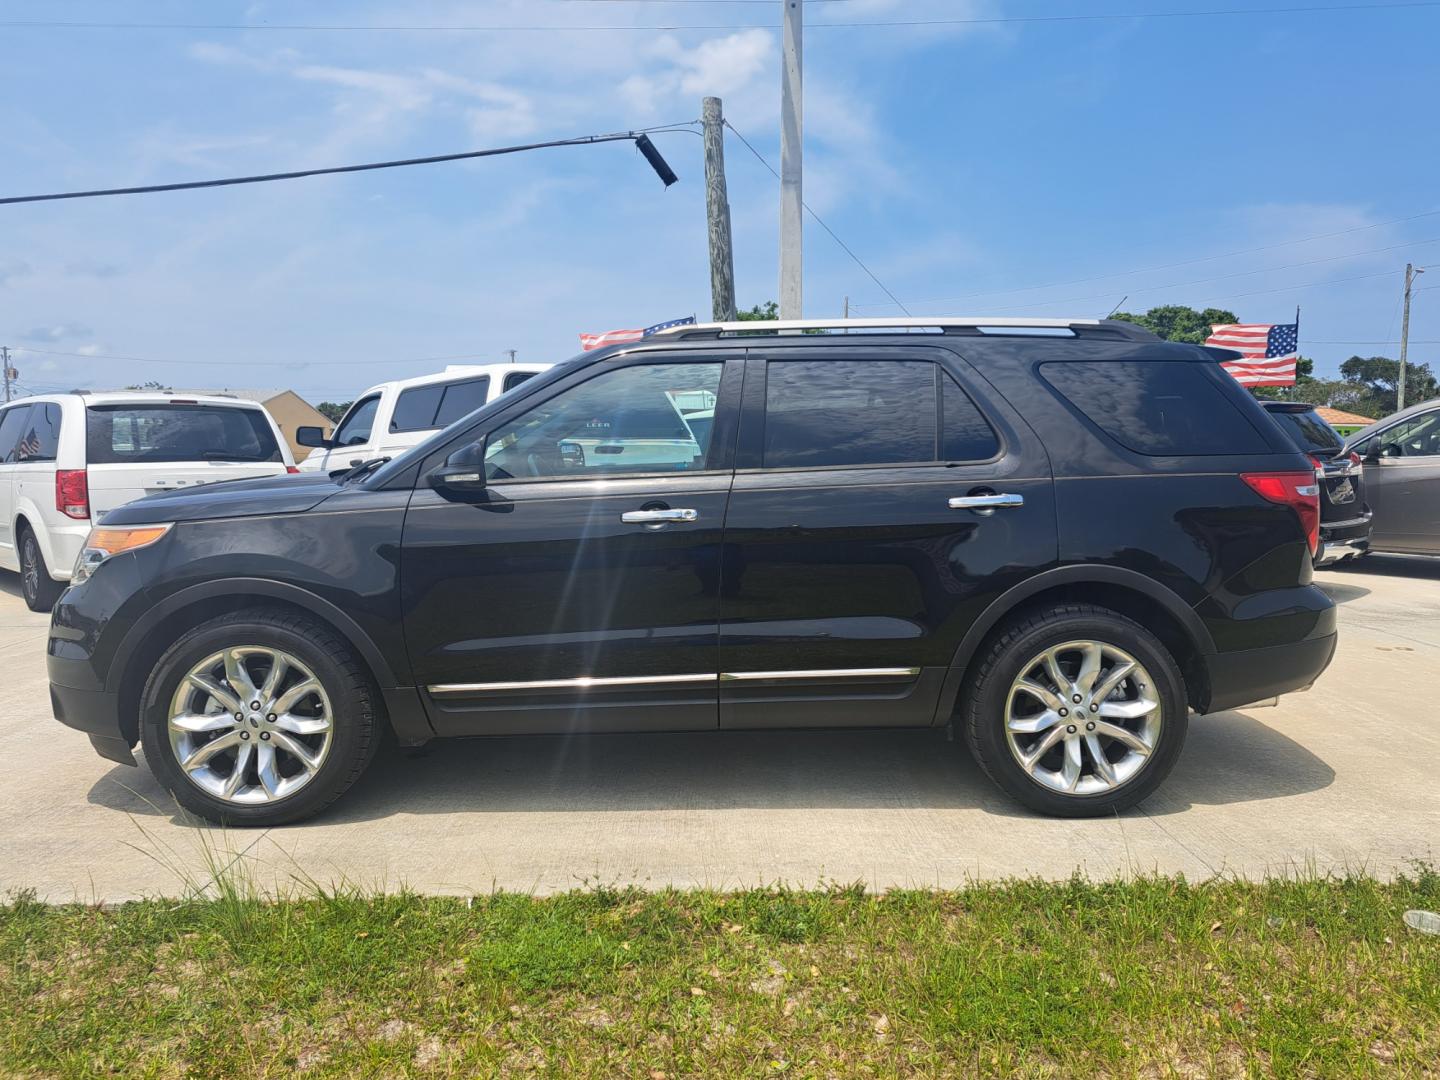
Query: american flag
[[616, 337], [1270, 351], [28, 447]]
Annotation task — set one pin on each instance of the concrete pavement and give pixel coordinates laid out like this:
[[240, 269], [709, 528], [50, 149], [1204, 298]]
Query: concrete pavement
[[1341, 776]]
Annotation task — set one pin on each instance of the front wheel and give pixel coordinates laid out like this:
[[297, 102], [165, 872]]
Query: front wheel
[[1077, 711], [261, 717]]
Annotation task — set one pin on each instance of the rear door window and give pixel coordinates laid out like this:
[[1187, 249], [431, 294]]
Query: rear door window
[[461, 399], [515, 378], [415, 408], [1157, 408], [144, 434], [849, 412], [11, 422]]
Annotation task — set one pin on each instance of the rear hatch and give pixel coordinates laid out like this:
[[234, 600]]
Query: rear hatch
[[144, 448], [1340, 475]]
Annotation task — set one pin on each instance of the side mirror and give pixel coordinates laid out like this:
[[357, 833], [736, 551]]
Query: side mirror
[[311, 435], [464, 470]]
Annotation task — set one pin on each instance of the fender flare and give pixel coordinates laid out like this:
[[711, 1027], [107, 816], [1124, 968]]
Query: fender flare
[[1075, 574], [27, 512], [258, 588]]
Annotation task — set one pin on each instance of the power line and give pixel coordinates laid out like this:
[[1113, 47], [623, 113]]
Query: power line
[[1304, 9], [638, 137], [1166, 266], [819, 221]]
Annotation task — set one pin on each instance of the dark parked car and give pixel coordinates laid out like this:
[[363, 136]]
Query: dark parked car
[[1402, 475], [1061, 536], [1344, 514]]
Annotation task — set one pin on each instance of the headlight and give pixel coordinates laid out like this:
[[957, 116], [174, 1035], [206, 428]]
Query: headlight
[[107, 540]]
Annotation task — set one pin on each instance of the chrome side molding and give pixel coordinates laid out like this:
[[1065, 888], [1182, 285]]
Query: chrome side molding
[[587, 682], [821, 673]]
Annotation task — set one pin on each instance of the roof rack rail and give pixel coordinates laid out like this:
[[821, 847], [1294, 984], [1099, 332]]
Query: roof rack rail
[[1108, 328]]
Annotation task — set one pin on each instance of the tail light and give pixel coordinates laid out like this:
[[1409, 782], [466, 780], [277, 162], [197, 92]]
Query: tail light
[[72, 493], [1319, 467], [1297, 490], [292, 470], [1356, 462]]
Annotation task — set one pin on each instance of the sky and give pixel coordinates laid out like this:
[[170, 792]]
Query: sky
[[1015, 164]]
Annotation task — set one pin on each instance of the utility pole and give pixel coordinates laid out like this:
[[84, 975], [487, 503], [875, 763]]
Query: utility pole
[[5, 363], [717, 213], [792, 103], [1410, 273], [511, 353]]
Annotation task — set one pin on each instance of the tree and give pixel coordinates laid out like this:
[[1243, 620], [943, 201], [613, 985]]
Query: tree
[[767, 312], [1175, 322], [151, 385], [333, 411], [1378, 377]]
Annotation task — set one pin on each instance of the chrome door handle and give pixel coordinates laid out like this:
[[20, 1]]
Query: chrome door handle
[[985, 502], [657, 517]]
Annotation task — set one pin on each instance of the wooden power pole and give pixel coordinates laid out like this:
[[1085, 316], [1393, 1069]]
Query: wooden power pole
[[717, 214], [1410, 272], [792, 203]]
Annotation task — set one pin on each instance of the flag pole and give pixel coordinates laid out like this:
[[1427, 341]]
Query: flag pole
[[1296, 383]]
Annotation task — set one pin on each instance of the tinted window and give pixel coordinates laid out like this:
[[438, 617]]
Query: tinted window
[[515, 378], [848, 412], [460, 399], [415, 408], [11, 421], [1309, 432], [968, 435], [1158, 408], [39, 434], [1419, 437], [626, 420], [354, 430], [152, 433]]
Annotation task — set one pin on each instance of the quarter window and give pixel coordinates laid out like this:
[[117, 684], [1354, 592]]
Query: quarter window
[[1159, 408], [849, 412], [40, 434], [11, 422], [629, 420]]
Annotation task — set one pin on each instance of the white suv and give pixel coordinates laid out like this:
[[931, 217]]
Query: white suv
[[66, 460], [394, 416]]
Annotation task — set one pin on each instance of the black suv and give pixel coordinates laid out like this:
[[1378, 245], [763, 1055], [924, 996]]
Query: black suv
[[1344, 515], [1061, 536]]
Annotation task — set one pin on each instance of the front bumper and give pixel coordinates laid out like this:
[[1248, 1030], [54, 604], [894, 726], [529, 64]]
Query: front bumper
[[95, 712]]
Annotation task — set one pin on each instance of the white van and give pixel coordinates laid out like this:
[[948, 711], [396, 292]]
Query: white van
[[394, 416], [66, 460]]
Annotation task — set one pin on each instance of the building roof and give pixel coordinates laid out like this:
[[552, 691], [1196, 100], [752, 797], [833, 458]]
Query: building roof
[[1341, 418], [261, 396]]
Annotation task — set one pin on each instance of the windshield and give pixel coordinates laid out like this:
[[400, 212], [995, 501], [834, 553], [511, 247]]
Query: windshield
[[1310, 433], [121, 434]]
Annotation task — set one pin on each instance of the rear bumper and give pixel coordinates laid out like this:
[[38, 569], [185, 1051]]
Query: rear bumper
[[1253, 675], [1340, 539]]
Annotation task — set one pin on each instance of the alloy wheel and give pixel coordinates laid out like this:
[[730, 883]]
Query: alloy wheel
[[30, 568], [250, 724], [1083, 718]]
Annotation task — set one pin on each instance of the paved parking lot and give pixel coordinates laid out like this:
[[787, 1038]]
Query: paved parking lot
[[1344, 775]]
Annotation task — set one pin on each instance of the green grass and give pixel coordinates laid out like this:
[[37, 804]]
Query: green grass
[[1149, 977]]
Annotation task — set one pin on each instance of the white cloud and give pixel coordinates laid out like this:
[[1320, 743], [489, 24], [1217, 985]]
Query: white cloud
[[55, 333]]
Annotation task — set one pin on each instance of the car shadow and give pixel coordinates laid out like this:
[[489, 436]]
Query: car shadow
[[10, 584], [1341, 592], [1229, 758], [1426, 567]]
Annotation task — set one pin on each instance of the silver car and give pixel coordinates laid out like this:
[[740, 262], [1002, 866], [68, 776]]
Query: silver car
[[1402, 479]]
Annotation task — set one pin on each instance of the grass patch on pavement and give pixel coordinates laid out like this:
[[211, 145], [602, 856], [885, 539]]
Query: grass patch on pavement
[[1149, 977]]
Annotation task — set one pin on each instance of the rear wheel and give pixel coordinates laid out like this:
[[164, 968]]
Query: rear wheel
[[38, 588], [259, 718], [1077, 711]]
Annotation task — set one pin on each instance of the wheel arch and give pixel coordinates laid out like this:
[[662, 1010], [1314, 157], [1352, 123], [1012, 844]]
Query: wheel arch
[[1132, 594], [188, 608]]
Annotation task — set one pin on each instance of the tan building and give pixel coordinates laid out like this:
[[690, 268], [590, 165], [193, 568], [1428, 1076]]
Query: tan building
[[289, 409]]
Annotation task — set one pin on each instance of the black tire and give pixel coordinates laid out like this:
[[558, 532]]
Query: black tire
[[38, 588], [356, 722], [983, 710]]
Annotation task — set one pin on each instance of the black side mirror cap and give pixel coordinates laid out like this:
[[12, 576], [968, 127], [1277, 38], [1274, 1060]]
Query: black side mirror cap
[[311, 435], [464, 470]]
